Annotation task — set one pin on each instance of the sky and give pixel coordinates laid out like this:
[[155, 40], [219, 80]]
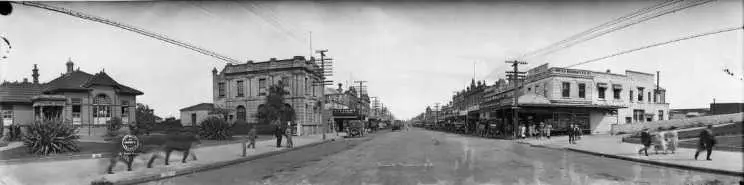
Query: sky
[[413, 54]]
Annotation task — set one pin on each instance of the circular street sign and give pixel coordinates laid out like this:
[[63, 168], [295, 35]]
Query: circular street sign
[[4, 48], [130, 143]]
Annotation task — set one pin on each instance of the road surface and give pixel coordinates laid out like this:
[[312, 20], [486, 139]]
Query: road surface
[[428, 157]]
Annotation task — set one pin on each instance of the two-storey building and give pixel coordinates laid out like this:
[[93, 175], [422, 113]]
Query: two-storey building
[[242, 89]]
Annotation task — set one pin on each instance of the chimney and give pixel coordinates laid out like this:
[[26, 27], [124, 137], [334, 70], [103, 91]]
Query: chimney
[[608, 70], [657, 80], [272, 59], [35, 74], [25, 80], [69, 66], [339, 88]]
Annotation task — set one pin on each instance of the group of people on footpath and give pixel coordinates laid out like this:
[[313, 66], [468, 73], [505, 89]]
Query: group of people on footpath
[[574, 133], [668, 141], [537, 131], [283, 130]]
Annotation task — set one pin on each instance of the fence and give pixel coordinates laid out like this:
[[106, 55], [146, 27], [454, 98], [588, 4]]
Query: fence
[[678, 123]]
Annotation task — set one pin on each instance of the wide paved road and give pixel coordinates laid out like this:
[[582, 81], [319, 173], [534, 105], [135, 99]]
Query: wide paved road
[[428, 157]]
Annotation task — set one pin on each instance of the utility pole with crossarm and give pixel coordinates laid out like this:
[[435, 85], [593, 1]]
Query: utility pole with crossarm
[[516, 76]]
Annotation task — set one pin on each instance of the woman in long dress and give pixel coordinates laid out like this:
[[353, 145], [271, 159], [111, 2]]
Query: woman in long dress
[[660, 143], [672, 139]]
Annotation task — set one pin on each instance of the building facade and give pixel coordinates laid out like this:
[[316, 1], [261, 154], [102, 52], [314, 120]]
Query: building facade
[[593, 100], [75, 97], [194, 115], [242, 89]]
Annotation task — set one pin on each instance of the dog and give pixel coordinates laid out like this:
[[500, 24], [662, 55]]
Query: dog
[[154, 144]]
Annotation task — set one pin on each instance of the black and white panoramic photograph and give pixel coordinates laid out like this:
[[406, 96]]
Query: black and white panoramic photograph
[[381, 92]]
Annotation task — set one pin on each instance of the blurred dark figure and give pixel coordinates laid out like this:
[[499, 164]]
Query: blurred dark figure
[[706, 142], [646, 141], [279, 133]]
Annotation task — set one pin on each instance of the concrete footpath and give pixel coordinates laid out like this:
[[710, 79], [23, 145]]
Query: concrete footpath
[[84, 171], [724, 162]]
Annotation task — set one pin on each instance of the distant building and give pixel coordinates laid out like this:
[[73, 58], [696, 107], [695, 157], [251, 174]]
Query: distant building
[[687, 113], [75, 97], [194, 115], [347, 105], [726, 108], [242, 89]]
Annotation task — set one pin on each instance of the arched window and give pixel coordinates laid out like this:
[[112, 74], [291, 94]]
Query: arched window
[[241, 113]]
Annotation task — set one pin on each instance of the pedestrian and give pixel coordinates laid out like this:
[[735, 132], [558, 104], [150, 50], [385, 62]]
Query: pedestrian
[[571, 134], [278, 132], [577, 132], [645, 140], [288, 134], [522, 130], [548, 128], [252, 137], [706, 142], [659, 141], [672, 140]]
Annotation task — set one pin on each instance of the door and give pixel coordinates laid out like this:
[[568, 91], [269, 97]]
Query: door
[[193, 119]]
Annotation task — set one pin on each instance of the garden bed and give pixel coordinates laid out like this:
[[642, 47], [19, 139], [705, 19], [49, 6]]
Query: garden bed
[[85, 148]]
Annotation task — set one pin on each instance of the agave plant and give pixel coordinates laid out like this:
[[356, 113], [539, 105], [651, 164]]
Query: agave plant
[[51, 137], [214, 128]]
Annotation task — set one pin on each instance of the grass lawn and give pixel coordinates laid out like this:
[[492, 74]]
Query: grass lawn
[[85, 148]]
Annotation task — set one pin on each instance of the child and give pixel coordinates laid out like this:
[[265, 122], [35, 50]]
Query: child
[[252, 137]]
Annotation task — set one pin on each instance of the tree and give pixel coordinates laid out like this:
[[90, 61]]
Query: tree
[[145, 117], [274, 108]]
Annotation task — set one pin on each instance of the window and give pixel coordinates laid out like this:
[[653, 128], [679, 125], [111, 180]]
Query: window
[[536, 87], [529, 89], [285, 82], [193, 119], [307, 89], [566, 89], [221, 89], [124, 108], [638, 115], [601, 92], [628, 120], [582, 90], [241, 88], [630, 93], [7, 115], [262, 87], [241, 113], [616, 93], [661, 115], [640, 94], [649, 97]]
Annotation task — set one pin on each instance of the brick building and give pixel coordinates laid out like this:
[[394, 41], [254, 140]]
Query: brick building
[[242, 89], [75, 97]]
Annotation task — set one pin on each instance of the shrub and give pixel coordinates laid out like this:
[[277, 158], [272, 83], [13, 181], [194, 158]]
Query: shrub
[[214, 128], [113, 126], [51, 137]]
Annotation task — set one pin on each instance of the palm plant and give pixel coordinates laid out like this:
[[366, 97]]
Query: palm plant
[[51, 137]]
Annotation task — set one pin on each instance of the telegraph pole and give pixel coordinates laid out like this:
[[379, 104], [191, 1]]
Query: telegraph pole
[[515, 77], [325, 71]]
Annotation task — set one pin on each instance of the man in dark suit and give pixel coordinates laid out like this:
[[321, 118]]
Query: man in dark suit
[[279, 133], [706, 142], [571, 134], [646, 141]]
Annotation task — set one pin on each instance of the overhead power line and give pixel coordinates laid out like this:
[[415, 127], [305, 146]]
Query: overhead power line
[[606, 24], [658, 44], [129, 28], [676, 6]]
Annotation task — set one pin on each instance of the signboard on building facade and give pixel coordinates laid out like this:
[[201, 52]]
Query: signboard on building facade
[[538, 69]]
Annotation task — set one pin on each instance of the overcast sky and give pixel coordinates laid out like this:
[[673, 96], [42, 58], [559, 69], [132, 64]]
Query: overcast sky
[[411, 54]]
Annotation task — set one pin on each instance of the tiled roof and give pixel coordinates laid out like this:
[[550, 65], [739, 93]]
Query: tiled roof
[[201, 106], [19, 92], [79, 80], [70, 81]]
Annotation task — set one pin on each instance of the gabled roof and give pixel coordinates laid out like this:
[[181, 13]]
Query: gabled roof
[[201, 106], [82, 81]]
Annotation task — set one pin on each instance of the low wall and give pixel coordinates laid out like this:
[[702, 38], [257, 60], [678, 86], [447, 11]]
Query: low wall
[[679, 123]]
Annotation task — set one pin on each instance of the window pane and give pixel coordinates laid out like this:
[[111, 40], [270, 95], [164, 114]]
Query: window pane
[[566, 89], [582, 90], [241, 89]]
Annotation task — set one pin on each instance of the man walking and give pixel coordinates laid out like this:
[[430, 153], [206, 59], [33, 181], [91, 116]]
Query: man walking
[[252, 137], [706, 142], [288, 134], [548, 127], [571, 136], [646, 141], [278, 132]]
